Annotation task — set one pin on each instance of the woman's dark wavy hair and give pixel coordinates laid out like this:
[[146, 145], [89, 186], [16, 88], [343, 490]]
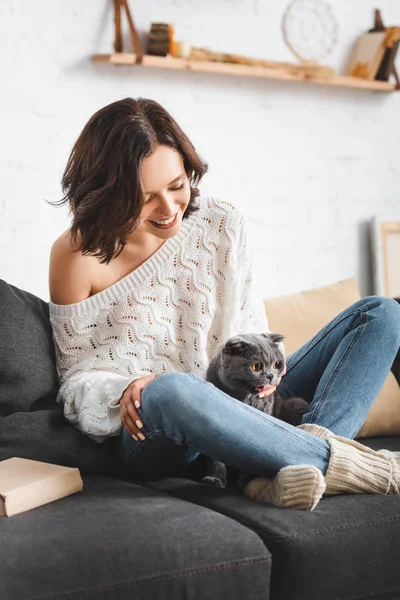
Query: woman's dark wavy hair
[[101, 181]]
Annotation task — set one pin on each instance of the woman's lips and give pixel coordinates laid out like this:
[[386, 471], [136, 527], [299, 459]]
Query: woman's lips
[[165, 226]]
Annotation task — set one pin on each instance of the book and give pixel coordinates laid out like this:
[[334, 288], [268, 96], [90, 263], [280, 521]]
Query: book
[[367, 55], [392, 43], [27, 484]]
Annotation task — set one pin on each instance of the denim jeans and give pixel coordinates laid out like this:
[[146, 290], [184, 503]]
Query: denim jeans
[[339, 371]]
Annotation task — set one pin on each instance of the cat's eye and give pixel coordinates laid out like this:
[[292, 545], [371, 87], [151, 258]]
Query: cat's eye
[[278, 365], [256, 366]]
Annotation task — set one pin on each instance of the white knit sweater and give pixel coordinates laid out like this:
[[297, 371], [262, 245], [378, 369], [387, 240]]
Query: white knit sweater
[[172, 313]]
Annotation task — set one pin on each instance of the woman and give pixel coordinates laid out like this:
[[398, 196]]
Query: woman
[[145, 286]]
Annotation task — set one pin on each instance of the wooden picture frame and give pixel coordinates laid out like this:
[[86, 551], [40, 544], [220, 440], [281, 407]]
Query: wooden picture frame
[[386, 256]]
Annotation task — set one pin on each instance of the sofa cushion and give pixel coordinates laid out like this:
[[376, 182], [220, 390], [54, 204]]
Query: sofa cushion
[[116, 540], [28, 375], [32, 425], [300, 316], [345, 548]]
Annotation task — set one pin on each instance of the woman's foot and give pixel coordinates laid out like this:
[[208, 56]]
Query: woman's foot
[[353, 469], [357, 469], [297, 486]]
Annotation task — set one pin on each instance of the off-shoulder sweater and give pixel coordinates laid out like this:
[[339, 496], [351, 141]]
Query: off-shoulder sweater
[[171, 313]]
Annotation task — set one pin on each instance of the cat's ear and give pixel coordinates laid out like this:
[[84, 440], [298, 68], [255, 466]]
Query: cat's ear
[[276, 338], [234, 345]]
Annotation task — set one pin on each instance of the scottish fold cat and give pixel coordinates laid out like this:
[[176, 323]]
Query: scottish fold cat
[[242, 368]]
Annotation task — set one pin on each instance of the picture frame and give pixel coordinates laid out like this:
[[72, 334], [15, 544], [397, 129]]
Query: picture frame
[[385, 237], [367, 55]]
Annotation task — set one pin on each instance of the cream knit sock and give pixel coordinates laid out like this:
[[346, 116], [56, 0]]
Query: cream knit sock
[[297, 486], [394, 459], [355, 468], [321, 432]]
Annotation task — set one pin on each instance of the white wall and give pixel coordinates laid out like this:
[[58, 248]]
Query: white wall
[[311, 165]]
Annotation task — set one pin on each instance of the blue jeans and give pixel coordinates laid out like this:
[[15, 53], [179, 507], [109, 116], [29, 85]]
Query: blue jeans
[[339, 371]]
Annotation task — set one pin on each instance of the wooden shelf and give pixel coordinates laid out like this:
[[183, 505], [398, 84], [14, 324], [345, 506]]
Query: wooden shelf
[[282, 74]]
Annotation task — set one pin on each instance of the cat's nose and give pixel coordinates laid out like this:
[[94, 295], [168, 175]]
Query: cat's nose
[[269, 377]]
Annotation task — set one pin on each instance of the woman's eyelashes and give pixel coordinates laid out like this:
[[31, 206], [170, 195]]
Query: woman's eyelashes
[[174, 189]]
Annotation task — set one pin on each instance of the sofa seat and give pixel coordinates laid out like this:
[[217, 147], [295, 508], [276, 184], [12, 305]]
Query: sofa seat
[[117, 540], [347, 548]]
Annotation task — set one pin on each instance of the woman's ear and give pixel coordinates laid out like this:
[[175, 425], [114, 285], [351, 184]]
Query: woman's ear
[[235, 345]]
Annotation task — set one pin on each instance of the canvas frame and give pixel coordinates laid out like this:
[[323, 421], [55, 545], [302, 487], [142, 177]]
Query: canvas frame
[[386, 256]]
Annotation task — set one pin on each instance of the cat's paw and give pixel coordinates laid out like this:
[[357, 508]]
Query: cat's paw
[[214, 481]]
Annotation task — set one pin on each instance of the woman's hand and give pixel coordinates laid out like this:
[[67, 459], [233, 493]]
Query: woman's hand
[[131, 400], [266, 390]]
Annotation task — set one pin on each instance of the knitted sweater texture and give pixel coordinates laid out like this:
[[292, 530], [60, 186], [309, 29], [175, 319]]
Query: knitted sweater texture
[[171, 313]]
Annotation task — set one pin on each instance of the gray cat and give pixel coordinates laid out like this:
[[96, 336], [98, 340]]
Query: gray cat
[[241, 369]]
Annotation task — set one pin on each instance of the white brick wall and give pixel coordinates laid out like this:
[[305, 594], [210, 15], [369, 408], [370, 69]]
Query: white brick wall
[[310, 165]]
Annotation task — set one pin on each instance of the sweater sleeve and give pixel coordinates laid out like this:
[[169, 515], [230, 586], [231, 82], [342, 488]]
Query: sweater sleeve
[[90, 402]]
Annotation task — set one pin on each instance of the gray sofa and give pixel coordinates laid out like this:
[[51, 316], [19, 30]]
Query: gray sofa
[[169, 539]]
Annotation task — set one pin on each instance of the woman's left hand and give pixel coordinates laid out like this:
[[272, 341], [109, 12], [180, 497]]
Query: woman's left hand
[[266, 391]]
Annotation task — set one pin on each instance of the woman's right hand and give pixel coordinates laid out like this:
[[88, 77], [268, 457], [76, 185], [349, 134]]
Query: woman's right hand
[[131, 400]]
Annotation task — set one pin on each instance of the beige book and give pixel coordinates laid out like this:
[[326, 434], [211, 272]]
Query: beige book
[[26, 484], [367, 55]]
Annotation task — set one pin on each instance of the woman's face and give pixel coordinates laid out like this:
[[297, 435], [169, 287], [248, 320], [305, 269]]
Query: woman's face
[[166, 192]]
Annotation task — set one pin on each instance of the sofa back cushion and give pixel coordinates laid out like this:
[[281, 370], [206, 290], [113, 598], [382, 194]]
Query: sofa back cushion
[[32, 425], [28, 375], [300, 316]]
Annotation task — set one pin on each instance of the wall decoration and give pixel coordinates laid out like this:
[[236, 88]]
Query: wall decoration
[[310, 29], [121, 6], [367, 55], [392, 43], [386, 256]]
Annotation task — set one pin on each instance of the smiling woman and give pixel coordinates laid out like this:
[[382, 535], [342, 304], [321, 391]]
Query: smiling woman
[[145, 287], [131, 166]]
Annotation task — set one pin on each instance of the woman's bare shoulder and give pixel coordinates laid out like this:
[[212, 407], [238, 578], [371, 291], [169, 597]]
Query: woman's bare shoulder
[[69, 273]]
